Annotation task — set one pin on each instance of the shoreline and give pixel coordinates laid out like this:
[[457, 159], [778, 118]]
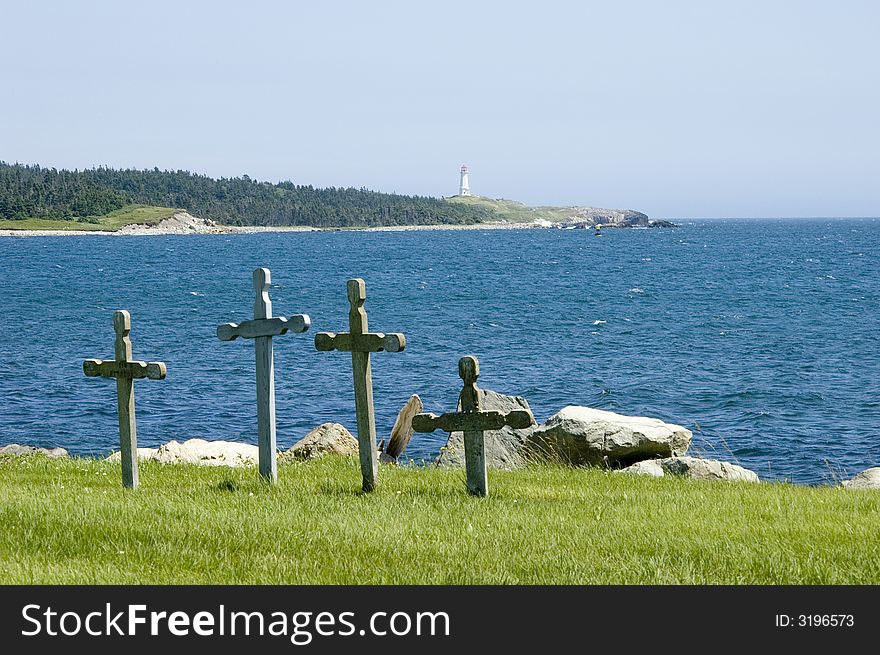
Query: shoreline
[[694, 465], [146, 230]]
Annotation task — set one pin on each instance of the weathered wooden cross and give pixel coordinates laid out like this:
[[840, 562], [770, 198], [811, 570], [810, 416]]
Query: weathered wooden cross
[[472, 421], [125, 370], [360, 343], [261, 330]]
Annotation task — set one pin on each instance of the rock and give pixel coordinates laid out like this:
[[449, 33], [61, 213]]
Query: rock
[[586, 436], [16, 449], [651, 467], [505, 448], [210, 453], [174, 452], [201, 452], [326, 439], [402, 432], [180, 222], [591, 216], [143, 453], [661, 224], [867, 479], [693, 467]]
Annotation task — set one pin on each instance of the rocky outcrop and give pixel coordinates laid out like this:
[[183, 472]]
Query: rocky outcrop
[[692, 467], [201, 452], [661, 224], [586, 436], [585, 217], [505, 448], [867, 479], [326, 439], [178, 223], [16, 449]]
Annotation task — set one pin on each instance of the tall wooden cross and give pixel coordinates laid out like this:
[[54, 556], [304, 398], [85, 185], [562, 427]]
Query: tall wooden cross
[[261, 330], [360, 343], [125, 370], [472, 421]]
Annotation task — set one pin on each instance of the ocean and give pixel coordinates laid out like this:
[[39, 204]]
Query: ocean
[[760, 336]]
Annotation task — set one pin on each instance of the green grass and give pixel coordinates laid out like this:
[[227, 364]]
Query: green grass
[[515, 212], [71, 522], [130, 214]]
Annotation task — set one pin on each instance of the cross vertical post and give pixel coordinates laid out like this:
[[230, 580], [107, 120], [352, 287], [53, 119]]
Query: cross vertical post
[[265, 367], [473, 422], [261, 329], [125, 402], [474, 447], [362, 376], [125, 369], [361, 342]]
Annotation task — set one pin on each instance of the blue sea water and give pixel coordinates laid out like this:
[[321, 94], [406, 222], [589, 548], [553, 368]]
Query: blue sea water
[[761, 336]]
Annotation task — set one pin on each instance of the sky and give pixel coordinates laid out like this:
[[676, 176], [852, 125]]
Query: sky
[[677, 109]]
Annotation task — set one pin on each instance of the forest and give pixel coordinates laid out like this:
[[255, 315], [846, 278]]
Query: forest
[[31, 191]]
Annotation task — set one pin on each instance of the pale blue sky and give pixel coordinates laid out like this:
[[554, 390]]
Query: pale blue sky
[[678, 109]]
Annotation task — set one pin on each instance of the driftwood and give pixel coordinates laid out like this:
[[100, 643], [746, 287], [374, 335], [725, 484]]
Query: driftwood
[[402, 432]]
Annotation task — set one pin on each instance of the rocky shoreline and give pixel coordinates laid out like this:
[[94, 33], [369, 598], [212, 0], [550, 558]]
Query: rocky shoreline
[[184, 223], [146, 230], [575, 436]]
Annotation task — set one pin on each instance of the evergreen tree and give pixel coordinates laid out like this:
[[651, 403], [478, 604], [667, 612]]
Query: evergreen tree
[[35, 192]]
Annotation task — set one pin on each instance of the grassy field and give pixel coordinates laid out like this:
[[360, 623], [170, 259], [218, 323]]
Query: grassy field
[[139, 214], [69, 521], [516, 212]]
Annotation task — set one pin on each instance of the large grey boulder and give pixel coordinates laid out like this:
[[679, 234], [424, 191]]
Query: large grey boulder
[[505, 448], [585, 436], [16, 449], [867, 479], [692, 467], [200, 452], [326, 439]]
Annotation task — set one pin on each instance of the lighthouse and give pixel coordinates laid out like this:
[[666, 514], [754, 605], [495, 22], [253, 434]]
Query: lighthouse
[[464, 189]]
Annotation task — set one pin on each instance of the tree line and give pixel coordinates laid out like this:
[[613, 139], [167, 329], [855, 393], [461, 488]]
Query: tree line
[[37, 192], [34, 192]]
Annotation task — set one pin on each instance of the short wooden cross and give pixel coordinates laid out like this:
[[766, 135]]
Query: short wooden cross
[[360, 343], [125, 370], [261, 330], [472, 421]]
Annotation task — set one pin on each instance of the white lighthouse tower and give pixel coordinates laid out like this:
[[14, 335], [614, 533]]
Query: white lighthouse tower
[[464, 189]]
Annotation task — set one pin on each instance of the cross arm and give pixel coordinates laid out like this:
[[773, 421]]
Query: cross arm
[[469, 421], [136, 370], [371, 342], [263, 327]]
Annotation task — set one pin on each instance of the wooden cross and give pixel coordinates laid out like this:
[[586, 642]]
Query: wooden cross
[[261, 330], [125, 370], [472, 421], [360, 343]]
